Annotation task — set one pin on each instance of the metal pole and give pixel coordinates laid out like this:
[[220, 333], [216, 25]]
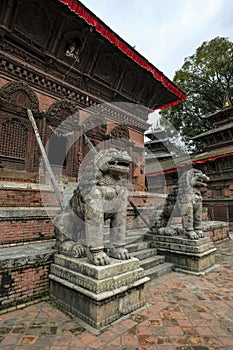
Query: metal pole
[[137, 212], [46, 161]]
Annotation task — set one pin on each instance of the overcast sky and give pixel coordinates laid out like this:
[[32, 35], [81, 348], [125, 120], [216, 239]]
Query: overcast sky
[[166, 31]]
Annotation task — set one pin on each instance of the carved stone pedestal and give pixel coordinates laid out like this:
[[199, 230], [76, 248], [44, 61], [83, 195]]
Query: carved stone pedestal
[[96, 296], [189, 256]]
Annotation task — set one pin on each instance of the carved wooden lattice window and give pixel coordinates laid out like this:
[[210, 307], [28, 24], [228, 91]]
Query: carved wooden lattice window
[[220, 213], [13, 139]]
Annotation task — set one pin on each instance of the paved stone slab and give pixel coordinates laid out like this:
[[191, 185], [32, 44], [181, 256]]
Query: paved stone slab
[[186, 312]]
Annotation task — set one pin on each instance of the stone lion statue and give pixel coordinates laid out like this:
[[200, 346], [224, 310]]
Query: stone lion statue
[[185, 200], [101, 195]]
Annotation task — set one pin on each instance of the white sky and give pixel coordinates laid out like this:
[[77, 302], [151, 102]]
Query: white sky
[[166, 31]]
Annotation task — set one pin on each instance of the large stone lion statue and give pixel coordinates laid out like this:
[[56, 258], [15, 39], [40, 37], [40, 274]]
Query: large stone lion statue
[[100, 195], [185, 200]]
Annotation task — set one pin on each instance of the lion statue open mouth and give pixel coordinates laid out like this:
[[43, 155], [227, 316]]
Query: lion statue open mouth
[[100, 195]]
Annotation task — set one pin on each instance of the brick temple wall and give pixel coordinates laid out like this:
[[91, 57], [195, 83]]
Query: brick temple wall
[[26, 241], [23, 284]]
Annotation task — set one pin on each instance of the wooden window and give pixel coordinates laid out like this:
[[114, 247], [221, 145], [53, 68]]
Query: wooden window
[[13, 144], [220, 213]]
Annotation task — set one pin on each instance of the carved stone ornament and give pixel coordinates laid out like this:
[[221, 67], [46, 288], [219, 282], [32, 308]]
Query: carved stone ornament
[[61, 110], [18, 96], [101, 195], [95, 126], [120, 132]]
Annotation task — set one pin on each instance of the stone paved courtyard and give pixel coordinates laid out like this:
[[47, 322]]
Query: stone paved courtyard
[[185, 312]]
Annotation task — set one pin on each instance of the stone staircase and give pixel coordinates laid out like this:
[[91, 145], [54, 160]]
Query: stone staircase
[[153, 264], [144, 250]]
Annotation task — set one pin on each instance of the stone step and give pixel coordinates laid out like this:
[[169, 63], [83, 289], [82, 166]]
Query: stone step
[[137, 232], [130, 234], [128, 240], [159, 270], [145, 253], [152, 261], [138, 246]]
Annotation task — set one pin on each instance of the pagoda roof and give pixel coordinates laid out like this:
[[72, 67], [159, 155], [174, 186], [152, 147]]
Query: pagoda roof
[[175, 163], [224, 112], [214, 131], [157, 156], [175, 94]]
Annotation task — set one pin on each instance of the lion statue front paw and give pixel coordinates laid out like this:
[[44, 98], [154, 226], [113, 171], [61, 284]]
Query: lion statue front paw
[[98, 257], [119, 253], [200, 233], [72, 249], [191, 234]]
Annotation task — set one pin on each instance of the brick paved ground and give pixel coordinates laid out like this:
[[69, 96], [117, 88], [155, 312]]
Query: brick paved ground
[[186, 313]]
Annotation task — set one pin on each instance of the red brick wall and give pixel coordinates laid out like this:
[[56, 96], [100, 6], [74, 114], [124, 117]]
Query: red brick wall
[[26, 198], [19, 230], [18, 286]]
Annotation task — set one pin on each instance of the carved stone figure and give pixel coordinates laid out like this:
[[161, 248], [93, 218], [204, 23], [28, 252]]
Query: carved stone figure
[[190, 202], [184, 200], [101, 195]]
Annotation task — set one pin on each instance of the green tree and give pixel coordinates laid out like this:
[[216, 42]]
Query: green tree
[[205, 77]]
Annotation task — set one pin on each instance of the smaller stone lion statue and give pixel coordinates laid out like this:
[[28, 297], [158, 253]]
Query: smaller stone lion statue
[[100, 195], [185, 200]]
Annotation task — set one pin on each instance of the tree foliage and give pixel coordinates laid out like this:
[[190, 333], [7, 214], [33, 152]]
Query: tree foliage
[[206, 78]]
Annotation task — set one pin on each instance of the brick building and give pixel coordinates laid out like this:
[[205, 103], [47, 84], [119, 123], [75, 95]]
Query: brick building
[[59, 60], [216, 161]]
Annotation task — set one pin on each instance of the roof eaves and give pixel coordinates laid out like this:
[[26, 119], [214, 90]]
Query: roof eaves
[[79, 9]]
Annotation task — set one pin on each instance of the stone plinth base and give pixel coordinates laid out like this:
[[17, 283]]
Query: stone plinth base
[[189, 256], [96, 296]]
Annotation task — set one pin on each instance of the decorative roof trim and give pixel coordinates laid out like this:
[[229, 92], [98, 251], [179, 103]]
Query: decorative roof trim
[[199, 161], [114, 39]]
